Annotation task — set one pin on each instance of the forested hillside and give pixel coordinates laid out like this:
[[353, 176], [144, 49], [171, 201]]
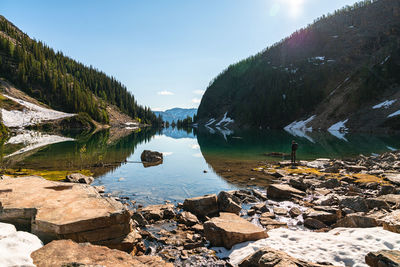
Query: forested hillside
[[335, 67], [61, 82]]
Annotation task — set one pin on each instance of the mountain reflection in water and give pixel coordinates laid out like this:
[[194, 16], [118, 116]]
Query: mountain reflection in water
[[196, 161]]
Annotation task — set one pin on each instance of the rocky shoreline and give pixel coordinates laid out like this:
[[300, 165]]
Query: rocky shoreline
[[314, 200]]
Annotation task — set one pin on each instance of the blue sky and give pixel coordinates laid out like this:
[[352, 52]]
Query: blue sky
[[165, 52]]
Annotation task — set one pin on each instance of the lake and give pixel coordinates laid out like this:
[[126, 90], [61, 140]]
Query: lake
[[196, 162]]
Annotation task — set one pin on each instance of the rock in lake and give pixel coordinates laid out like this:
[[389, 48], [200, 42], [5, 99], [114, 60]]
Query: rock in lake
[[56, 210], [151, 158], [383, 258], [202, 206], [63, 253], [283, 192], [79, 178], [229, 229]]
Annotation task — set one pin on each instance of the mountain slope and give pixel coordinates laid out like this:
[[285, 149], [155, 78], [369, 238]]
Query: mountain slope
[[175, 114], [61, 82], [335, 70]]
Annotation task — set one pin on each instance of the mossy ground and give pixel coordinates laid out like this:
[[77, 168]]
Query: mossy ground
[[301, 170], [49, 175]]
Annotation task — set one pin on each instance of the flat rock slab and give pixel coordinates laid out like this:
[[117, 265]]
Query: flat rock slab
[[55, 210], [68, 253], [229, 229], [393, 177], [283, 192]]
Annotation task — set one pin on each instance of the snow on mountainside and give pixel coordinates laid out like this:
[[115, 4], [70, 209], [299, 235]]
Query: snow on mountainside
[[175, 114]]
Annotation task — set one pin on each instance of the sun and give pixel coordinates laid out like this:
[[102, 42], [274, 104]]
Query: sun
[[295, 7], [292, 8]]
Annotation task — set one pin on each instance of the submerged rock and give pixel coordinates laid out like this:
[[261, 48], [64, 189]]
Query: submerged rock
[[68, 253], [229, 229]]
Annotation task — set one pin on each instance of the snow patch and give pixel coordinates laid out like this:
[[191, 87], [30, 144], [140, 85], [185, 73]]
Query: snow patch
[[385, 104], [32, 114], [339, 130], [33, 140], [394, 114], [391, 148], [385, 60], [16, 247], [211, 121], [299, 128], [340, 246], [225, 120], [225, 132]]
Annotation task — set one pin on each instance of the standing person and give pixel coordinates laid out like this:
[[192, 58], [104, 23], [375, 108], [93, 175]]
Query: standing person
[[294, 148]]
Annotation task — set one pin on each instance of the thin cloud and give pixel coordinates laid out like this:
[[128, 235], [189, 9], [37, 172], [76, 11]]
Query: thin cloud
[[165, 92], [196, 100], [199, 92]]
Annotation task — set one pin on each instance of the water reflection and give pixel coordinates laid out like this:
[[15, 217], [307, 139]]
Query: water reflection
[[196, 161], [100, 152]]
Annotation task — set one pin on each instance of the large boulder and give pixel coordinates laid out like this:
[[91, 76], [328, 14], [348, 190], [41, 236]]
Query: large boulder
[[79, 178], [268, 257], [383, 258], [202, 206], [283, 192], [229, 229], [228, 203], [55, 210], [63, 253], [151, 158]]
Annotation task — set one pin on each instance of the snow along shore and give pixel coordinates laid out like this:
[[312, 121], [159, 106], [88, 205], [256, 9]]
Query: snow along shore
[[33, 140], [31, 115], [17, 246], [340, 246]]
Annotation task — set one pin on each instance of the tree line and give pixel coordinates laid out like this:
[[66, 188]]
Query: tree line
[[62, 82]]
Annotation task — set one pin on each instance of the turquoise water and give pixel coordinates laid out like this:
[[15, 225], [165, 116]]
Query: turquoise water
[[195, 162]]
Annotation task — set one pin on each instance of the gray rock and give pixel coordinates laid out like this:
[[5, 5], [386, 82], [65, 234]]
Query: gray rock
[[355, 203], [330, 184]]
